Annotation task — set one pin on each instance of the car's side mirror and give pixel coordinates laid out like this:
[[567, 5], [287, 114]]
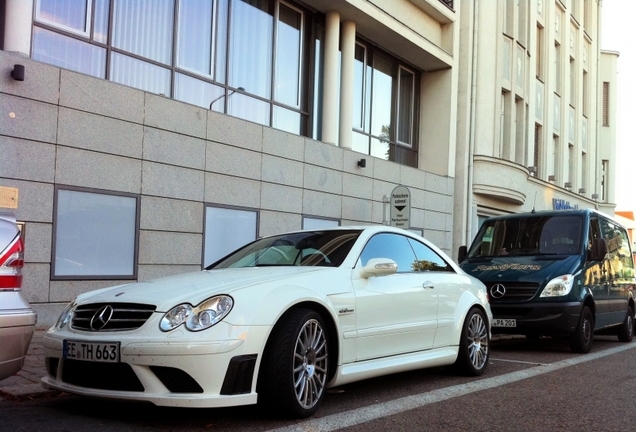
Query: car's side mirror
[[599, 250], [461, 254], [378, 267]]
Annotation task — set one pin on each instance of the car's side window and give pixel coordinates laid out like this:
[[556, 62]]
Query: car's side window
[[428, 259], [393, 246]]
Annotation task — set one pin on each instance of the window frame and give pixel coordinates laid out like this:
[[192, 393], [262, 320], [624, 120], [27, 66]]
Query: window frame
[[205, 229], [86, 33], [366, 134], [54, 243]]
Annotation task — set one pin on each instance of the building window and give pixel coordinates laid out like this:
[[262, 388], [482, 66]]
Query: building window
[[246, 58], [540, 53], [604, 177], [606, 89], [227, 229], [558, 66], [537, 145], [586, 94], [385, 106], [95, 235], [319, 223], [572, 82]]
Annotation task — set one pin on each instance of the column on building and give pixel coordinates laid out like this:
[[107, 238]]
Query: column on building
[[17, 26], [347, 82], [330, 85]]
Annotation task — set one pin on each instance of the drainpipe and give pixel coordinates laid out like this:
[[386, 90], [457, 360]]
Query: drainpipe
[[471, 136]]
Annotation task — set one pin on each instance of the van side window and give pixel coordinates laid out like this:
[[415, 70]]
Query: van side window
[[595, 232], [619, 249]]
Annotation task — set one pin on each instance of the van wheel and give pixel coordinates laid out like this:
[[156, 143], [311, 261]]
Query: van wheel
[[581, 339], [626, 330]]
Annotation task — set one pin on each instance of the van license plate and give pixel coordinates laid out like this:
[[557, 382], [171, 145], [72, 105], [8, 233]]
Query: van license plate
[[498, 322], [107, 352]]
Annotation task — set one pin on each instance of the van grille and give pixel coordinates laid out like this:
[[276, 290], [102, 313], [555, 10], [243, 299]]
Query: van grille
[[514, 292], [111, 316]]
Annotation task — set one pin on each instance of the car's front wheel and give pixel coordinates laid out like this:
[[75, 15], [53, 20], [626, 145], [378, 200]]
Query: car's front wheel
[[294, 370], [474, 345]]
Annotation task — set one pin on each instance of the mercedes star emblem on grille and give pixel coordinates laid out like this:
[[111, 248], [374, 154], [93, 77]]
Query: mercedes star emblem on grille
[[101, 317], [497, 291]]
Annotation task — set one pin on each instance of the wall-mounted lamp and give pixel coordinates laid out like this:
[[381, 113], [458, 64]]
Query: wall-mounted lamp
[[532, 169], [567, 185], [241, 89], [594, 196], [362, 163], [551, 178], [18, 72]]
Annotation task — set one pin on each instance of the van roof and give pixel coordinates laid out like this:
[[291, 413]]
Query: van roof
[[582, 212]]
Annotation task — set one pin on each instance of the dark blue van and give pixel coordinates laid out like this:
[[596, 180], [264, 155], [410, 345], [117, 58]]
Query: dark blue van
[[557, 273]]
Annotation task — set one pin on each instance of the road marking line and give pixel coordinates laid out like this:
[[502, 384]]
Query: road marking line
[[518, 361], [372, 412]]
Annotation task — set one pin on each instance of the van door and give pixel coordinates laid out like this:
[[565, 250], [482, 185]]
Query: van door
[[597, 275], [621, 268]]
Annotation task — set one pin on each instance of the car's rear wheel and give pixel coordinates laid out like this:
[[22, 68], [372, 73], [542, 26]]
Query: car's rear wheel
[[474, 345], [294, 371], [626, 330], [581, 339]]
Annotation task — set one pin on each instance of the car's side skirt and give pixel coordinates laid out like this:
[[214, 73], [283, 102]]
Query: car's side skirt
[[358, 371]]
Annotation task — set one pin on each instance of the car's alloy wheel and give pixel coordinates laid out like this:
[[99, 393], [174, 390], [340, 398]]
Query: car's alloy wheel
[[474, 344], [294, 370], [310, 364]]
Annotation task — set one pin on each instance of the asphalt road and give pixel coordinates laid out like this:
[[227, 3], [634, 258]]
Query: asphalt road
[[529, 386]]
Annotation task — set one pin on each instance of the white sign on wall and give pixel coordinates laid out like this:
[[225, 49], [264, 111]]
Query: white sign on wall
[[400, 207]]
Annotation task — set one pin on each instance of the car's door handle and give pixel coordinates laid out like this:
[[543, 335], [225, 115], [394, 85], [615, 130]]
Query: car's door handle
[[428, 284]]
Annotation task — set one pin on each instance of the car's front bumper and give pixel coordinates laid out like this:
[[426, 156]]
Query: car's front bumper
[[556, 319], [213, 368]]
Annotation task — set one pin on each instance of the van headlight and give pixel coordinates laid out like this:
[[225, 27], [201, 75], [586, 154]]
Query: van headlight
[[558, 287], [200, 317]]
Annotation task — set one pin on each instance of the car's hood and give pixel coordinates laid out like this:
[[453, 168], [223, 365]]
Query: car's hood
[[535, 269], [195, 287]]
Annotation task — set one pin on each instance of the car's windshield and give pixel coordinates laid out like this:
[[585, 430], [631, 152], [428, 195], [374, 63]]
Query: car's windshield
[[307, 248], [532, 235]]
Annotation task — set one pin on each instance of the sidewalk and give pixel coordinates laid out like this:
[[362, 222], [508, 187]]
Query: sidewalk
[[26, 383]]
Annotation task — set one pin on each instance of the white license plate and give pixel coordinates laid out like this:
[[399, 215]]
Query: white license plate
[[499, 322], [107, 352]]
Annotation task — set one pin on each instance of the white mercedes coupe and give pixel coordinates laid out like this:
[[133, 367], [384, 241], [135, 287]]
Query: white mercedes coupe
[[276, 322]]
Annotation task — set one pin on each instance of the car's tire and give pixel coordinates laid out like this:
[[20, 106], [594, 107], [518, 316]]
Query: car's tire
[[581, 339], [626, 330], [474, 344], [294, 371]]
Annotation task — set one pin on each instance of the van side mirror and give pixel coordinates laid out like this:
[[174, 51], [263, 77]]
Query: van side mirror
[[461, 254], [599, 250]]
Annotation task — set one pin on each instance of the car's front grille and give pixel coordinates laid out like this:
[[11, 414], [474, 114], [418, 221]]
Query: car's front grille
[[513, 292], [111, 316], [103, 376]]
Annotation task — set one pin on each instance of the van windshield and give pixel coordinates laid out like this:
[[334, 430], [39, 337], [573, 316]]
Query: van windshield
[[532, 235]]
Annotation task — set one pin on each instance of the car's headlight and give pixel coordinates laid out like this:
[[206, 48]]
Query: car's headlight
[[197, 318], [66, 315], [558, 286]]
